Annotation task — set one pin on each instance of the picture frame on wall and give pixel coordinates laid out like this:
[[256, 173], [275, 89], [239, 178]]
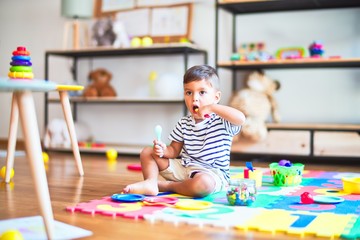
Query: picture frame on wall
[[163, 23]]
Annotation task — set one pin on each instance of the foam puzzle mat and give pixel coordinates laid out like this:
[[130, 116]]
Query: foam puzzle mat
[[276, 209]]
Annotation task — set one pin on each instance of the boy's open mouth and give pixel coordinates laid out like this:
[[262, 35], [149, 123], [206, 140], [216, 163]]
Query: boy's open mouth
[[195, 108]]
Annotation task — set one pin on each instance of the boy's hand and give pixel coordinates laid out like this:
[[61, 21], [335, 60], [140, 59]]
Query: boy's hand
[[159, 148]]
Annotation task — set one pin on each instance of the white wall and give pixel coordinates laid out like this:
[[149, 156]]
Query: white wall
[[329, 95]]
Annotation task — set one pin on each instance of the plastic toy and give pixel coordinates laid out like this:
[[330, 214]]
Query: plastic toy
[[328, 199], [316, 49], [351, 185], [12, 234], [20, 64], [287, 176], [135, 42], [290, 53], [134, 167], [306, 198], [111, 154], [3, 172], [127, 197], [158, 132], [285, 163], [146, 41], [241, 192], [45, 157], [252, 173]]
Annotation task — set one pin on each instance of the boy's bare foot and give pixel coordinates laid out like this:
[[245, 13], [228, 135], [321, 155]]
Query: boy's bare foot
[[147, 187]]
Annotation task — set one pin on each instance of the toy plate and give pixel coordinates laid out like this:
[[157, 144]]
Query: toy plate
[[327, 199], [189, 204], [127, 197], [155, 200]]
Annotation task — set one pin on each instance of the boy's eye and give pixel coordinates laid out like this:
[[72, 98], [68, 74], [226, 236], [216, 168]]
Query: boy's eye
[[202, 92], [188, 93]]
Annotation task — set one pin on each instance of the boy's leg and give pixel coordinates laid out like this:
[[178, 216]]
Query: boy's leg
[[200, 185], [150, 168]]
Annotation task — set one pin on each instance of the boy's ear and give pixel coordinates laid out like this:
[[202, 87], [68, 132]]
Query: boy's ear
[[217, 97]]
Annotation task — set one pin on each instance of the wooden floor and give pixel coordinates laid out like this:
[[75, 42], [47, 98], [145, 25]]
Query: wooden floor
[[18, 199]]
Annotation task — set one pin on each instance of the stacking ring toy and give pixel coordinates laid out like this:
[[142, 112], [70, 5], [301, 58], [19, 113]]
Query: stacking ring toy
[[20, 69], [21, 53], [28, 75], [20, 63], [26, 58]]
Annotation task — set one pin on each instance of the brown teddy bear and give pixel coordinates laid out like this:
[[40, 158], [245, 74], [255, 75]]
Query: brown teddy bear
[[100, 84], [256, 101]]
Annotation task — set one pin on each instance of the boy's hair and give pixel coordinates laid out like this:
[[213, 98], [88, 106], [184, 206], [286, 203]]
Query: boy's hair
[[202, 72]]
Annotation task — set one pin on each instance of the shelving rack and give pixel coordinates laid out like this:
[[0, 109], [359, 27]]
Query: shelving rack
[[237, 7], [182, 49]]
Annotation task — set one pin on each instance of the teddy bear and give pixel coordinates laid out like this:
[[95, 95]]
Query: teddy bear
[[100, 84], [257, 102], [57, 134]]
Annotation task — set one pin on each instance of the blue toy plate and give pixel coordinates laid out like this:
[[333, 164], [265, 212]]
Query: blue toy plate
[[327, 199], [127, 197]]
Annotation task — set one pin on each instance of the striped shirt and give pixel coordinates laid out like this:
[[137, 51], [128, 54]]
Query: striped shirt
[[207, 143]]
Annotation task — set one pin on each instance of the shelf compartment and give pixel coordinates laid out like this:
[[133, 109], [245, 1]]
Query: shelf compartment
[[119, 100], [120, 148], [262, 6], [291, 63], [156, 49]]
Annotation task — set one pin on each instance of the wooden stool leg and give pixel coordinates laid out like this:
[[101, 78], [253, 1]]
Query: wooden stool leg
[[33, 149], [65, 103], [14, 120]]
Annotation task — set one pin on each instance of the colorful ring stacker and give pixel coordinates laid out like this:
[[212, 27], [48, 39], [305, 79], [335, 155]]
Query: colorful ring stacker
[[27, 58], [21, 53], [27, 75], [20, 69], [20, 63]]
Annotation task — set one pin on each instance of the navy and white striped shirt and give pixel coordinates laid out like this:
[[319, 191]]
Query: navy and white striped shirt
[[207, 143]]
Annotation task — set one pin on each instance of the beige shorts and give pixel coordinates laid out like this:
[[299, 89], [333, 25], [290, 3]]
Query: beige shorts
[[177, 172]]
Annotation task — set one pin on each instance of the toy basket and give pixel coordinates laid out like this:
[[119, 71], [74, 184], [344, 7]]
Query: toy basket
[[287, 176]]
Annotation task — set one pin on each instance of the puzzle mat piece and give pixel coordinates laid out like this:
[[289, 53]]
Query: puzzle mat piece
[[32, 228], [217, 215], [266, 220], [292, 203], [301, 223], [108, 207], [352, 232]]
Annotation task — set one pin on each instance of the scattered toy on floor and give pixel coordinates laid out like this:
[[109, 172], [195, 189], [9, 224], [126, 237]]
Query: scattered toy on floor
[[111, 154], [3, 172]]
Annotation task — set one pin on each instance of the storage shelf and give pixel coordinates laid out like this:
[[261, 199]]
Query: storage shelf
[[156, 49], [120, 148], [261, 6], [119, 100], [281, 140], [292, 63], [315, 127]]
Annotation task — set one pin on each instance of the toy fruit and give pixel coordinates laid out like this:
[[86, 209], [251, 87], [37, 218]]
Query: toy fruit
[[111, 154], [11, 235], [306, 198], [146, 41], [3, 172]]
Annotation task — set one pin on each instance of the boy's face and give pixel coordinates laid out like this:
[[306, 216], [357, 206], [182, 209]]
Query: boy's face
[[198, 94]]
